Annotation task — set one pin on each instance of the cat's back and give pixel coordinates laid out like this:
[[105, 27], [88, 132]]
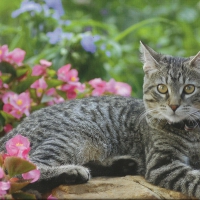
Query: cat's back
[[88, 116]]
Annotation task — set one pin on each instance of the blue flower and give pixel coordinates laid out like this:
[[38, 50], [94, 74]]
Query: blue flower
[[27, 6], [87, 43]]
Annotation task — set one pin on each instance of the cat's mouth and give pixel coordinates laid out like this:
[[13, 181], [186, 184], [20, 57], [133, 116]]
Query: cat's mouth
[[185, 124]]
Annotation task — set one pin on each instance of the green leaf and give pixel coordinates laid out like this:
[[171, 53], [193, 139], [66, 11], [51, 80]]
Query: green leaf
[[15, 186], [41, 105], [2, 120], [23, 70], [8, 118], [136, 26], [23, 195], [5, 77], [53, 82], [1, 160], [24, 85], [7, 68], [16, 165], [51, 72], [62, 94]]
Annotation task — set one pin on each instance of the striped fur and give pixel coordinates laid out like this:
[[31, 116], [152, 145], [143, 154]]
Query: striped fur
[[116, 136]]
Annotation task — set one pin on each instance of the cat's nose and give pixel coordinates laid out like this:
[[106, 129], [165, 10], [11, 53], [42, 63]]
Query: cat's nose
[[174, 107]]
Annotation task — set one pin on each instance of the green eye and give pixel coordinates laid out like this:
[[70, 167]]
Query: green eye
[[189, 89], [162, 88]]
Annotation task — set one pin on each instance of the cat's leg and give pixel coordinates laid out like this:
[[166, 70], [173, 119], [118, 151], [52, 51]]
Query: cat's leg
[[165, 168], [114, 166], [52, 177]]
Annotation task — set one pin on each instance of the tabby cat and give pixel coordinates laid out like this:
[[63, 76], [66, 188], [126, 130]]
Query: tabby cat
[[157, 137]]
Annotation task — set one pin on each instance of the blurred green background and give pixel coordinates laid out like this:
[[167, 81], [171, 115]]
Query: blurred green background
[[117, 26]]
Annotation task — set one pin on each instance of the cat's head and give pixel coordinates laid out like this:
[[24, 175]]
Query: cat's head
[[171, 89]]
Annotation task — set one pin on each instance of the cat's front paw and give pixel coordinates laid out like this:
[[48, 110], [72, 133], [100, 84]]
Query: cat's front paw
[[75, 175]]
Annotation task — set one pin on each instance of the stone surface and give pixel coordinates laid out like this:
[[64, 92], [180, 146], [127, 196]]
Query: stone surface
[[128, 187]]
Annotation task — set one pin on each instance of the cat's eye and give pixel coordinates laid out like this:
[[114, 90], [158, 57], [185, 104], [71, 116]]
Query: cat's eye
[[162, 88], [188, 89]]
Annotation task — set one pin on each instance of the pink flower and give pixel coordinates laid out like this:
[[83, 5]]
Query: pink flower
[[16, 56], [45, 63], [51, 91], [39, 70], [40, 85], [118, 88], [21, 102], [15, 104], [70, 90], [33, 174], [7, 96], [63, 71], [79, 87], [18, 146], [1, 173], [4, 186], [99, 86], [7, 128], [72, 76], [51, 197], [3, 52], [13, 111], [55, 100]]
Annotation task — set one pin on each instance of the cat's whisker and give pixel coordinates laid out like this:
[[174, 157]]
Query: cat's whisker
[[145, 113]]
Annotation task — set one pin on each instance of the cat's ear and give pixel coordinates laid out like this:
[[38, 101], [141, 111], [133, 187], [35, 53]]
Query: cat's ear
[[195, 61], [149, 58]]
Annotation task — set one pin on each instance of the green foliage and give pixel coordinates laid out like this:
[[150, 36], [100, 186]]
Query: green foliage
[[16, 165], [168, 26]]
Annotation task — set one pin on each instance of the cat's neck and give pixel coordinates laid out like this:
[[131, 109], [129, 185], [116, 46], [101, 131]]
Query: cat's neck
[[185, 125]]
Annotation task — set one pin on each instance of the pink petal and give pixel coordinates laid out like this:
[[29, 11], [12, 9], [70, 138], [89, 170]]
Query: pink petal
[[51, 197], [35, 84], [6, 97], [4, 185], [51, 91], [123, 89], [3, 52], [63, 71], [97, 82], [45, 63], [38, 70], [34, 174], [1, 173], [16, 56], [7, 128], [110, 86]]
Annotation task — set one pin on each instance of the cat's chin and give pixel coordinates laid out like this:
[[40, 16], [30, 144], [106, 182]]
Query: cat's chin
[[174, 119]]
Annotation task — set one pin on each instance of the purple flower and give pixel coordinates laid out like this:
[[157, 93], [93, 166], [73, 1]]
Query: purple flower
[[87, 43], [57, 35], [27, 6], [66, 35], [56, 5]]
